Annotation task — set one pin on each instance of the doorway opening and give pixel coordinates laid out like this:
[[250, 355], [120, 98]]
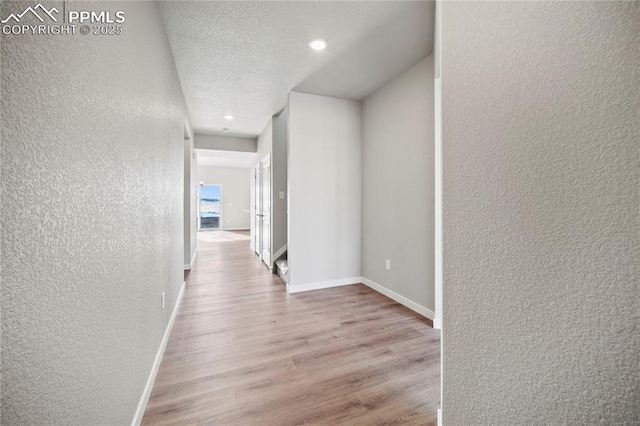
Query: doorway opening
[[209, 211]]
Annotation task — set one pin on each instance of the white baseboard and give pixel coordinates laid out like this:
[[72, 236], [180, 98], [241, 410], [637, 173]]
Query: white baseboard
[[279, 253], [235, 229], [323, 284], [187, 266], [437, 323], [142, 405], [400, 299]]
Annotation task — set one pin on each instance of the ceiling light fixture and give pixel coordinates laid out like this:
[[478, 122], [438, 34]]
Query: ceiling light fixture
[[318, 44], [225, 130], [228, 117]]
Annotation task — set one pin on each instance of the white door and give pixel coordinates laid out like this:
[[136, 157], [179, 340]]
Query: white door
[[256, 210], [266, 210]]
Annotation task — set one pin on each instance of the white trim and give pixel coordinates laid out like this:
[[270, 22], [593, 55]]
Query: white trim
[[323, 284], [266, 251], [279, 253], [438, 270], [439, 191], [257, 209], [142, 405], [400, 299], [233, 229], [187, 266]]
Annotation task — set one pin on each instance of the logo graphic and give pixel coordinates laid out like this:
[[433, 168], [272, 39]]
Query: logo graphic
[[52, 22], [33, 11]]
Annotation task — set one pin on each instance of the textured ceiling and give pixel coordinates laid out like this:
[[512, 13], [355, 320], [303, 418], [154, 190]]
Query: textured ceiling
[[243, 57]]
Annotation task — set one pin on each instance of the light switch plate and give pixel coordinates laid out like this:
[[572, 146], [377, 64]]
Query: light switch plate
[[388, 265], [281, 195]]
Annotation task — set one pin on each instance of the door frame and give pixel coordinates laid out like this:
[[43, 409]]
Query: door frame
[[257, 208], [266, 163]]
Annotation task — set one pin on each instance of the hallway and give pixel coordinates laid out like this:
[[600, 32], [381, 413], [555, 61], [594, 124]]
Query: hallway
[[244, 352]]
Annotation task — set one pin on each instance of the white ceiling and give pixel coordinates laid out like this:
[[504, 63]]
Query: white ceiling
[[243, 57], [210, 157]]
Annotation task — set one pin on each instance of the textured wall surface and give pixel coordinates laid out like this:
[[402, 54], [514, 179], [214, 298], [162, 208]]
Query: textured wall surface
[[92, 145], [541, 133], [398, 185], [236, 193], [325, 189]]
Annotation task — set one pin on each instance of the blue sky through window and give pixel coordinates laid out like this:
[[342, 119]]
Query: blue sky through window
[[210, 192]]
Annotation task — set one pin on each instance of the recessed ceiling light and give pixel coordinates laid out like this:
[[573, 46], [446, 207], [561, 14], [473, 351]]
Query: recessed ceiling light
[[228, 117], [318, 44], [225, 130]]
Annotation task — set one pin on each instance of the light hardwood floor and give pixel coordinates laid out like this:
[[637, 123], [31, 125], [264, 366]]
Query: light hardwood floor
[[244, 352]]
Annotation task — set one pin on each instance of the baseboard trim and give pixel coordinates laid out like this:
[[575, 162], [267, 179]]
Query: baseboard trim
[[323, 284], [187, 266], [437, 323], [428, 313], [235, 229], [279, 253], [142, 405]]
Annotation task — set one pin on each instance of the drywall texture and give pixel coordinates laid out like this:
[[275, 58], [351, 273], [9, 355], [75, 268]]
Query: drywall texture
[[225, 143], [236, 193], [325, 189], [541, 128], [398, 185], [92, 170], [279, 181]]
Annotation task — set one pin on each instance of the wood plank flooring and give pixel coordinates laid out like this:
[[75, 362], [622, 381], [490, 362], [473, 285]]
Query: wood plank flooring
[[244, 352]]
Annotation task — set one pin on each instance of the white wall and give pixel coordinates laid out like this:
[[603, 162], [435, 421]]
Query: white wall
[[325, 181], [279, 181], [398, 185], [236, 193], [541, 125], [265, 141], [92, 216], [225, 143]]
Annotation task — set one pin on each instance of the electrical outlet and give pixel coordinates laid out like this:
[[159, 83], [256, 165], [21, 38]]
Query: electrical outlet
[[162, 298], [388, 265]]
